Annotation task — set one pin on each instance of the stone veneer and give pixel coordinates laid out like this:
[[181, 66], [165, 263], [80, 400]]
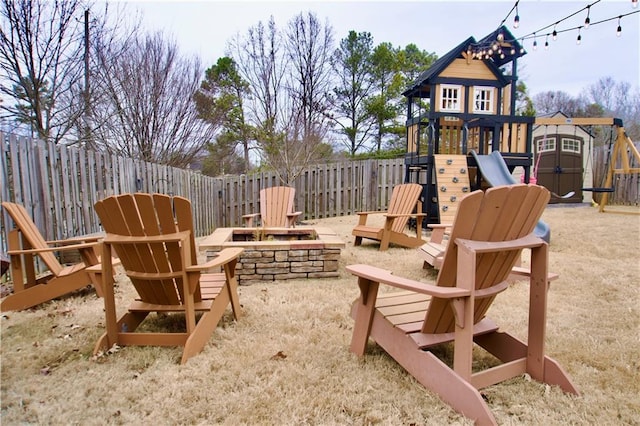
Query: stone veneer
[[278, 259]]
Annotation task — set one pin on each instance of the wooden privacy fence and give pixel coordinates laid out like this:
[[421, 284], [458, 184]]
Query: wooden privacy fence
[[58, 185]]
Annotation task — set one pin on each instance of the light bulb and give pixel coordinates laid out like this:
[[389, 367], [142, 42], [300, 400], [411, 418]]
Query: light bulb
[[619, 29], [546, 43], [516, 21], [555, 34], [535, 45], [513, 51], [579, 39], [587, 20], [634, 3], [500, 37]]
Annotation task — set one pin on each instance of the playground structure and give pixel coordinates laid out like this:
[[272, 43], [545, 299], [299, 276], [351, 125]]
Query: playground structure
[[466, 102], [463, 102]]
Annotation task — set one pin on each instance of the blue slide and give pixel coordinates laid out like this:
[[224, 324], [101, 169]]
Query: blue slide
[[495, 172]]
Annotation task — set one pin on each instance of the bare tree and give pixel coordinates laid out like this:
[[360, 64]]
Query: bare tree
[[146, 109], [309, 46], [553, 101], [41, 65]]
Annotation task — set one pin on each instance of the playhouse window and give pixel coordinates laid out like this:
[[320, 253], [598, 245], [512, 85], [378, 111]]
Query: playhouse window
[[450, 98], [545, 145], [483, 100], [570, 145]]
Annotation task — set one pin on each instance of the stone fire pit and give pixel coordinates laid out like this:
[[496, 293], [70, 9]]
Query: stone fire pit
[[279, 253]]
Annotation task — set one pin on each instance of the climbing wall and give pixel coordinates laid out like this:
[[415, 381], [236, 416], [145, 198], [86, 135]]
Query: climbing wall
[[452, 183]]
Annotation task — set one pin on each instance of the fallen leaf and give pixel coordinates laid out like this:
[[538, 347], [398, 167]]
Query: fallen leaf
[[279, 355]]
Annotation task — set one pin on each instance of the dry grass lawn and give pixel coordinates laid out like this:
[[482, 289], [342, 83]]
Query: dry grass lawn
[[287, 360]]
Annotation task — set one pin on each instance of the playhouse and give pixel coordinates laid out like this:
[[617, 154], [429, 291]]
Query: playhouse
[[465, 101]]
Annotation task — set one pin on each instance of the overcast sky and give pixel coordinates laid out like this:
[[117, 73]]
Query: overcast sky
[[204, 27]]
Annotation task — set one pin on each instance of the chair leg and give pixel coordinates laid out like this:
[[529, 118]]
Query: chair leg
[[431, 372], [365, 308], [205, 327], [507, 348]]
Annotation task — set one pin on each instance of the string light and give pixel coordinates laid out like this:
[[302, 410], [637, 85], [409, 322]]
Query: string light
[[619, 30], [587, 20], [555, 31], [490, 48]]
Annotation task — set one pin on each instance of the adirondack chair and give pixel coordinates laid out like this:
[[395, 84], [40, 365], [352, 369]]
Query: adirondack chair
[[405, 198], [153, 236], [432, 252], [276, 208], [26, 244], [488, 235]]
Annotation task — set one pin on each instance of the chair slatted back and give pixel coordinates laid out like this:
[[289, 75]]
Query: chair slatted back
[[275, 203], [404, 199], [151, 215], [31, 235], [500, 214]]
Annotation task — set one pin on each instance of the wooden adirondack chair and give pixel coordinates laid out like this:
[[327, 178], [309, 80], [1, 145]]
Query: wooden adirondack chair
[[489, 233], [432, 252], [276, 208], [153, 236], [25, 244], [405, 198]]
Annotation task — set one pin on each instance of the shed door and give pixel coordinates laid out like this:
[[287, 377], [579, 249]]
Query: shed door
[[559, 166]]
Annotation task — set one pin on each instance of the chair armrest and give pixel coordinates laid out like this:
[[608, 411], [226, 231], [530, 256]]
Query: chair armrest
[[248, 219], [76, 240], [294, 214], [225, 256], [52, 249], [386, 277], [440, 225], [394, 215], [370, 212]]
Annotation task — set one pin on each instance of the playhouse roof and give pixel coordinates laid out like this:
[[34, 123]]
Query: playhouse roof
[[494, 62]]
